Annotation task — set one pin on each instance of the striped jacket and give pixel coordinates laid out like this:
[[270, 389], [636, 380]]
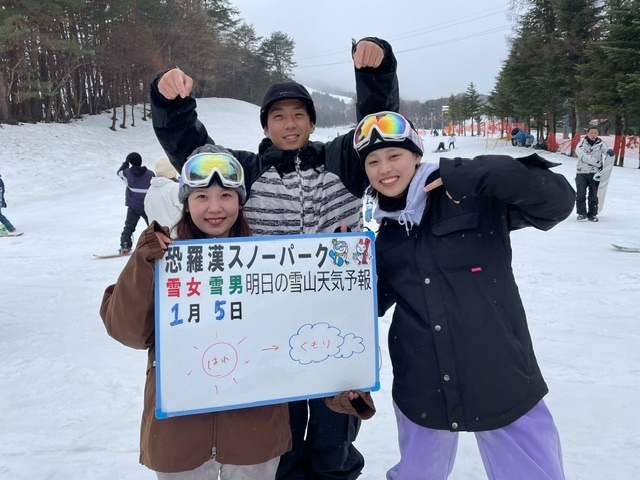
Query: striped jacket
[[310, 190]]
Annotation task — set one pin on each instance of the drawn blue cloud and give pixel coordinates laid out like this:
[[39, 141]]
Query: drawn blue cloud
[[315, 343], [352, 344]]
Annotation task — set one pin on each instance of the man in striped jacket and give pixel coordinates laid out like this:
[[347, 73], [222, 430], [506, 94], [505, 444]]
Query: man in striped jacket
[[295, 186]]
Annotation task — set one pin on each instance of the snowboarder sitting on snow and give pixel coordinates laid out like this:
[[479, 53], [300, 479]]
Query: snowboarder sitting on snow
[[441, 147], [590, 151], [459, 344]]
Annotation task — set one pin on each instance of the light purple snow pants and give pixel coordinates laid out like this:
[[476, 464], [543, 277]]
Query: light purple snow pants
[[527, 449]]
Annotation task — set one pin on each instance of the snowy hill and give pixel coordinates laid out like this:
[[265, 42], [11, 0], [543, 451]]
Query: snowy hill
[[71, 397], [342, 98]]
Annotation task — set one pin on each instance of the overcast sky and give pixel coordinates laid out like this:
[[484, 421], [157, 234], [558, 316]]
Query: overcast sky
[[441, 46]]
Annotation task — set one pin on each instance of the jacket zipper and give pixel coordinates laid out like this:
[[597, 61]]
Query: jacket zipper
[[297, 164], [214, 436]]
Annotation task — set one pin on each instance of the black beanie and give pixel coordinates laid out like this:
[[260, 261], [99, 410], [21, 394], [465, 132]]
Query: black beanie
[[286, 91], [134, 159], [377, 142]]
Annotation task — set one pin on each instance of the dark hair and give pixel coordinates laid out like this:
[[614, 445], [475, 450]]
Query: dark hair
[[372, 192], [134, 159], [593, 127], [187, 230]]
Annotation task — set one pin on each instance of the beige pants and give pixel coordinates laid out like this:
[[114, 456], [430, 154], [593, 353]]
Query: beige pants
[[211, 469]]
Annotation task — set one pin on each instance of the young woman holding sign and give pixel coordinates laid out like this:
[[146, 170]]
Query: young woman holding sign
[[239, 444], [242, 444]]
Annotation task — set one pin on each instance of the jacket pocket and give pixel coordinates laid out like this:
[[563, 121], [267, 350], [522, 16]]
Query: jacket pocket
[[460, 244], [468, 221]]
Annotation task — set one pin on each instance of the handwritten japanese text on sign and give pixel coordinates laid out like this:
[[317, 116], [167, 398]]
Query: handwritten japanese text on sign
[[259, 320]]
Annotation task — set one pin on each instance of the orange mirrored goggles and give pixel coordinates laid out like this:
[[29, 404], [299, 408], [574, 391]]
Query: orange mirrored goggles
[[389, 126]]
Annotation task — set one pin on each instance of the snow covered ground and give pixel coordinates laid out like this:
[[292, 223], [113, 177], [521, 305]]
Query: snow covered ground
[[71, 397]]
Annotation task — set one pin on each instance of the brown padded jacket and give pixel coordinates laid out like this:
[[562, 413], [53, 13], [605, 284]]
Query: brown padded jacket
[[239, 437]]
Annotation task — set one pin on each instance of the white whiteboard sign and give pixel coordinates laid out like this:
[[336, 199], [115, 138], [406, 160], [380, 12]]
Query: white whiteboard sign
[[251, 321]]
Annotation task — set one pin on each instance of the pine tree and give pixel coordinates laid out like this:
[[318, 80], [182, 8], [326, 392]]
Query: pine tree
[[473, 105], [277, 52]]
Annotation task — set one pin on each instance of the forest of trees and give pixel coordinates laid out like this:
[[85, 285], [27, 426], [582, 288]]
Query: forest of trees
[[61, 59], [573, 59], [570, 57]]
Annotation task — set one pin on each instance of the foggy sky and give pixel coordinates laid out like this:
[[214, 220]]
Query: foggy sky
[[440, 47]]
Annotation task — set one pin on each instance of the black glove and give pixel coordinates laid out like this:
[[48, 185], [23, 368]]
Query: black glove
[[611, 152]]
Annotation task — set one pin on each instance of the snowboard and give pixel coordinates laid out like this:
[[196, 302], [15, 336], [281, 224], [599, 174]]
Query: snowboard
[[12, 234], [626, 249], [109, 255], [607, 167], [441, 151]]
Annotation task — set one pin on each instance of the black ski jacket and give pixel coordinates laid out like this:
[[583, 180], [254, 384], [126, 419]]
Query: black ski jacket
[[309, 190], [459, 343]]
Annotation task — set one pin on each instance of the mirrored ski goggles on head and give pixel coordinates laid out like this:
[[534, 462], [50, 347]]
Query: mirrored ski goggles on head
[[198, 170], [390, 126]]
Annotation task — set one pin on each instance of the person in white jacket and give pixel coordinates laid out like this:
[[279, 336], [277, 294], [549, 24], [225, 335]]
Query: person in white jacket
[[590, 152], [161, 203]]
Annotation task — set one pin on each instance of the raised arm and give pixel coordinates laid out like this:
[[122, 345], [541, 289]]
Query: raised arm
[[376, 78], [377, 90], [174, 117]]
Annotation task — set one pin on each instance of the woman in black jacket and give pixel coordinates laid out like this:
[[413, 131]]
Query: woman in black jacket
[[459, 343]]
